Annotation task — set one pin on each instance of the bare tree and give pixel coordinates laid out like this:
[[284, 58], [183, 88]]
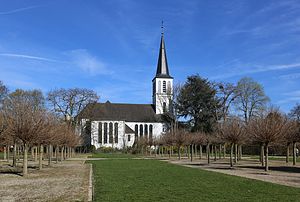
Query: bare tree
[[179, 140], [69, 102], [250, 98], [292, 136], [226, 94], [233, 132], [267, 130]]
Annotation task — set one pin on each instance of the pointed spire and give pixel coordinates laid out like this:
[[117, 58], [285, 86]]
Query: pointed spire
[[162, 65]]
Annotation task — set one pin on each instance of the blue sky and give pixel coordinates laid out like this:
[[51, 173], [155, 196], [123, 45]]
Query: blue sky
[[112, 46]]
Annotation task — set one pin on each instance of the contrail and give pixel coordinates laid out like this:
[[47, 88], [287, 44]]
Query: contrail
[[28, 57], [18, 10]]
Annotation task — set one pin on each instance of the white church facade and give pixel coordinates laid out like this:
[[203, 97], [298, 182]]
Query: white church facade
[[120, 125]]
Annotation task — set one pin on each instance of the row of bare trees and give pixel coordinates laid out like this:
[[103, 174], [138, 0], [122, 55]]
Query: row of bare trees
[[271, 129], [27, 125]]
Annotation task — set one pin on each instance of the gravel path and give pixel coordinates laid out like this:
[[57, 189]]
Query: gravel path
[[279, 173], [67, 181]]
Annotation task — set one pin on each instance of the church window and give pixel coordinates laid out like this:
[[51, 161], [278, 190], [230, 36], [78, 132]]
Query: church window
[[169, 87], [136, 132], [100, 132], [164, 107], [141, 131], [146, 130], [159, 86], [116, 132], [105, 133], [128, 138], [164, 87], [110, 133], [151, 132]]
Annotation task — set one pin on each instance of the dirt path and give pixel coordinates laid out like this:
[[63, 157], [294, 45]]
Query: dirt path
[[67, 181], [279, 173]]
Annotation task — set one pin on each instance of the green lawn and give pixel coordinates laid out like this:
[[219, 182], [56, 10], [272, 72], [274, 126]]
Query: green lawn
[[114, 155], [153, 180]]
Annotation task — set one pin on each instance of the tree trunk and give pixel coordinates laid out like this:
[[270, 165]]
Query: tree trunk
[[294, 153], [208, 153], [56, 154], [200, 151], [220, 150], [188, 151], [50, 155], [25, 160], [287, 153], [231, 155], [192, 150], [224, 152], [15, 155], [41, 151], [195, 151], [8, 153], [61, 154], [240, 152], [4, 153], [35, 153], [179, 153], [267, 158], [235, 152], [215, 149], [262, 155]]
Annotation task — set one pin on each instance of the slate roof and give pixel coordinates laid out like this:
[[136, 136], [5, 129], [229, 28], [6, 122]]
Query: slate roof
[[162, 70], [120, 112], [128, 130]]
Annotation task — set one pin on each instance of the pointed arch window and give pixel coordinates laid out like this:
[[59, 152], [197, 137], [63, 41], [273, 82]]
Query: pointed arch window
[[146, 130], [159, 86], [105, 133], [116, 132], [100, 132], [141, 130], [151, 132], [136, 132], [110, 133], [164, 87], [169, 87]]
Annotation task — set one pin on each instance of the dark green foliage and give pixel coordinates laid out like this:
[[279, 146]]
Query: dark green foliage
[[196, 101], [152, 180]]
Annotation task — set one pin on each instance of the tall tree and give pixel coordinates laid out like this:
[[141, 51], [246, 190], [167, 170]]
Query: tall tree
[[225, 95], [250, 98], [3, 92], [69, 102], [295, 112], [196, 101]]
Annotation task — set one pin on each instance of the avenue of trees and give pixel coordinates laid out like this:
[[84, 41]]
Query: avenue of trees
[[44, 126], [219, 117]]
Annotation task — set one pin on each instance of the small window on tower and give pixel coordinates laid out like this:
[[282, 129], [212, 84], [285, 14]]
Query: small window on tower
[[164, 87]]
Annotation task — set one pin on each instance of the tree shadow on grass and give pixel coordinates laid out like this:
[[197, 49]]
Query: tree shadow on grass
[[288, 169]]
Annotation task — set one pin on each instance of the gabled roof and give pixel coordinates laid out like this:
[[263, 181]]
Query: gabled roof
[[128, 130], [162, 70], [120, 112]]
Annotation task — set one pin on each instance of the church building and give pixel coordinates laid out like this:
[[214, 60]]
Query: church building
[[120, 125]]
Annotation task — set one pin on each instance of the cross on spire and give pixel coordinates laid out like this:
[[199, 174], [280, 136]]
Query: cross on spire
[[162, 27]]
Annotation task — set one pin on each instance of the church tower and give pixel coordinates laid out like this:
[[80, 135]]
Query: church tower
[[162, 82]]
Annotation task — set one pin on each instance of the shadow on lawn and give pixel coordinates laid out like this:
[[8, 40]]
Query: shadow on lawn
[[288, 169]]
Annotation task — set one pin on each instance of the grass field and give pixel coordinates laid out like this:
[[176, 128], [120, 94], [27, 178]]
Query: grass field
[[114, 155], [153, 180]]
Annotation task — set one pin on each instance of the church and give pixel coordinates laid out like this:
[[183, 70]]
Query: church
[[119, 125]]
